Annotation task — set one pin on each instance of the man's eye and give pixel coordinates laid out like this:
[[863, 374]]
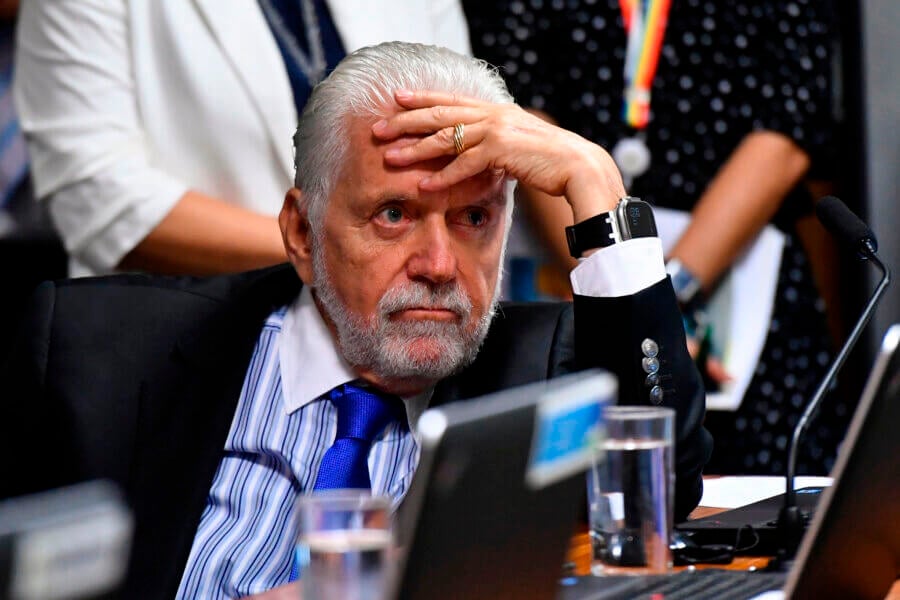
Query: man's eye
[[392, 214], [476, 218]]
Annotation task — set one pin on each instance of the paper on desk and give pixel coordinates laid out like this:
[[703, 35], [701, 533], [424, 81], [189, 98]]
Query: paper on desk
[[732, 492], [741, 308]]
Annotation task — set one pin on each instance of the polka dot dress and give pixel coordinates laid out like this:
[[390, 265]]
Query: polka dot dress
[[725, 70]]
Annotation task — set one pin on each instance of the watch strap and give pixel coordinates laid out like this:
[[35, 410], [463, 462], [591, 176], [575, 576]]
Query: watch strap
[[596, 232], [686, 286]]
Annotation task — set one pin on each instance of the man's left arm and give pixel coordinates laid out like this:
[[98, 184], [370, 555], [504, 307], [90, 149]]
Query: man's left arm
[[625, 315]]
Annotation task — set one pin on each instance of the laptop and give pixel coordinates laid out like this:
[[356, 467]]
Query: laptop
[[852, 546], [498, 491]]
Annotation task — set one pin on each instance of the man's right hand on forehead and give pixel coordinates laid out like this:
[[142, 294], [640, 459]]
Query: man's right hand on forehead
[[485, 135]]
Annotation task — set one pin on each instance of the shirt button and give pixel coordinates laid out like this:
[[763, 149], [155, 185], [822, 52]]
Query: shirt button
[[650, 348]]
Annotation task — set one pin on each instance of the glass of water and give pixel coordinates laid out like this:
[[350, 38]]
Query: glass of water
[[631, 487], [344, 537]]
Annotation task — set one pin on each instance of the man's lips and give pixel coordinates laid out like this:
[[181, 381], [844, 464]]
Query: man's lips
[[421, 313]]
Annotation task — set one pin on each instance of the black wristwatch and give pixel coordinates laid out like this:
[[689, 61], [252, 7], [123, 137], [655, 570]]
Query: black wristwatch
[[631, 218]]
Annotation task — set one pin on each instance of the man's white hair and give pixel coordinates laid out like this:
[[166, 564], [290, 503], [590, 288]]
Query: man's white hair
[[363, 85]]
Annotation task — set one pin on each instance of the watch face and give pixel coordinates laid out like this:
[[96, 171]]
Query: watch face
[[636, 218]]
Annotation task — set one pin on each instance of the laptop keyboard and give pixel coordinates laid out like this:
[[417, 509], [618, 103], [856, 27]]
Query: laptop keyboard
[[715, 584]]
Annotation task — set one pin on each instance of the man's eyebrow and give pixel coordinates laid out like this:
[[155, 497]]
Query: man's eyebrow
[[498, 197], [389, 196]]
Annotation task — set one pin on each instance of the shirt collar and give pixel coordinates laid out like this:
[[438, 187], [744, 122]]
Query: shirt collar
[[311, 364]]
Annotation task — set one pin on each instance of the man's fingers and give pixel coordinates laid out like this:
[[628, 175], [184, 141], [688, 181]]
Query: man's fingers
[[441, 143], [425, 98], [468, 164], [425, 120]]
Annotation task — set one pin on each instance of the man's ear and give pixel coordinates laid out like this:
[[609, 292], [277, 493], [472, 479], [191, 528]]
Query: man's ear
[[296, 234]]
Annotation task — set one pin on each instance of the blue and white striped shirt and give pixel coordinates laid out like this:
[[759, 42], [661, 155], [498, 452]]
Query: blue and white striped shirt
[[245, 539]]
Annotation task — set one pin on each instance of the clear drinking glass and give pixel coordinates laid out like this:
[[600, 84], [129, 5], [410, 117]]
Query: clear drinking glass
[[344, 538], [631, 487]]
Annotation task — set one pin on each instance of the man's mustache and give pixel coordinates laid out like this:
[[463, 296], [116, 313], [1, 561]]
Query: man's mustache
[[447, 296]]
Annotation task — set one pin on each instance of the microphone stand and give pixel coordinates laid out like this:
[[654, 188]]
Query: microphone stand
[[791, 520]]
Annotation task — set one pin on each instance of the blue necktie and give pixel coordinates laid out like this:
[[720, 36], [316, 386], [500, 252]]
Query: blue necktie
[[361, 415]]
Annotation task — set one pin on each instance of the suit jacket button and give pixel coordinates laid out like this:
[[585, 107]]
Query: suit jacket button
[[650, 348], [650, 365], [656, 394]]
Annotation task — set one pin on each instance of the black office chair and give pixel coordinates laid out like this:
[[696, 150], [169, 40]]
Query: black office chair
[[30, 252]]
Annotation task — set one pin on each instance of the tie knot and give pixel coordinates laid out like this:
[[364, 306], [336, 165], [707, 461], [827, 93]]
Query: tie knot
[[363, 413]]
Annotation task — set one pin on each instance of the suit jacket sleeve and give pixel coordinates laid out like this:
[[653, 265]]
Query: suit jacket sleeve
[[608, 334]]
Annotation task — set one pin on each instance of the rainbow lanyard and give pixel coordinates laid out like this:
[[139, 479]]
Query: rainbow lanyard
[[645, 22]]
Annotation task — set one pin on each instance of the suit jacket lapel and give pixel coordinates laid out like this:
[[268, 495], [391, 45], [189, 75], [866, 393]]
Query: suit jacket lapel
[[447, 390], [184, 418], [241, 31], [524, 345]]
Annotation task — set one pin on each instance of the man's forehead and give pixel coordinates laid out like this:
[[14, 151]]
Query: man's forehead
[[367, 148], [361, 140], [484, 189]]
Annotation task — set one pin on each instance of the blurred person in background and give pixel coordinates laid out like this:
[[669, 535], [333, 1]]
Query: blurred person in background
[[730, 106], [13, 154], [30, 251], [156, 129]]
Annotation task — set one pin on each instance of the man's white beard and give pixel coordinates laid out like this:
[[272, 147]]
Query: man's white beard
[[387, 347]]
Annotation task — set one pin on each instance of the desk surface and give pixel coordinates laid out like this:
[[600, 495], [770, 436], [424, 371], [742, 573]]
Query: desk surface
[[580, 554]]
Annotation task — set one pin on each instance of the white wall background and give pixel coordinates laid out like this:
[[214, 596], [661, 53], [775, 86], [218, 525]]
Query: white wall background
[[880, 24]]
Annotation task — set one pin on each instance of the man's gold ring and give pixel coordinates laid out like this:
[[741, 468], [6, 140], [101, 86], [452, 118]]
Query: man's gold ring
[[459, 142]]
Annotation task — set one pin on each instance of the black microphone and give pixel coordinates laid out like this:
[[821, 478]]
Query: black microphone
[[846, 226], [850, 231]]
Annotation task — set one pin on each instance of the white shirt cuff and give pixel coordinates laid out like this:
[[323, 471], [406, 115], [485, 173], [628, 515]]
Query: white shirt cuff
[[622, 269]]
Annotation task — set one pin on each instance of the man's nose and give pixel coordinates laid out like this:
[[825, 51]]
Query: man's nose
[[433, 258]]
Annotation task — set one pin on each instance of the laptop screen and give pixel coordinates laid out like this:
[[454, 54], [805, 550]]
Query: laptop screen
[[499, 487], [852, 548]]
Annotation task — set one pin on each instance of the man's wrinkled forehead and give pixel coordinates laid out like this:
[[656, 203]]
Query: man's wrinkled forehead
[[486, 177], [359, 134]]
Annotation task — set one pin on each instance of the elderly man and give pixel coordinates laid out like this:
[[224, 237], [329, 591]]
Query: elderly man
[[216, 402]]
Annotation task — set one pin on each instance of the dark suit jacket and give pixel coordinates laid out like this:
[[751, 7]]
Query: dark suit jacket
[[136, 379]]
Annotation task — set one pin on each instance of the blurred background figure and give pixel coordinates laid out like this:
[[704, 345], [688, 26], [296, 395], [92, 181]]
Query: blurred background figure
[[737, 115], [29, 248], [157, 130], [13, 155]]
